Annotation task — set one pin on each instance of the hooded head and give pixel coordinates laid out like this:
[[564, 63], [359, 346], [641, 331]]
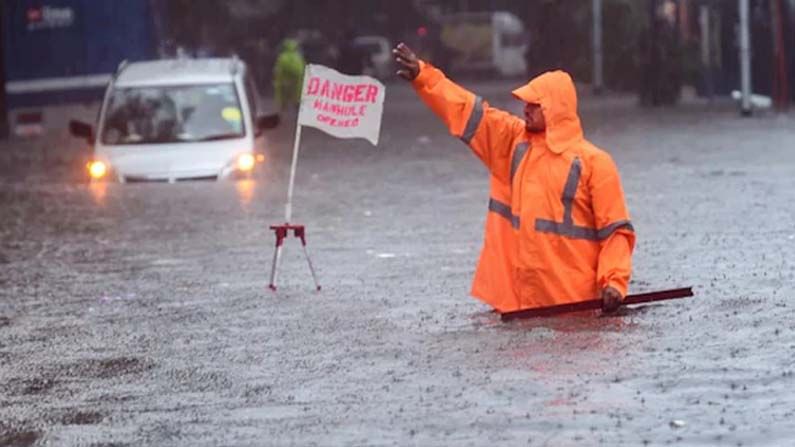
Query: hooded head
[[554, 91], [289, 45]]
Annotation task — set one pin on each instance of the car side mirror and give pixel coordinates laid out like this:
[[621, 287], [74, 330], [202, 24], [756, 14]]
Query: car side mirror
[[81, 130], [268, 121]]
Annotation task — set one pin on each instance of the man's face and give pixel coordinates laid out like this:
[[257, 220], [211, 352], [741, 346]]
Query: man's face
[[534, 118]]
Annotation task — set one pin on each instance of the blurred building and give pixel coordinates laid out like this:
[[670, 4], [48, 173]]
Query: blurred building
[[695, 40]]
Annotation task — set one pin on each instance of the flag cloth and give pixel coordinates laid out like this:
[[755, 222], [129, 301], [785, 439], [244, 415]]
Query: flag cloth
[[340, 105]]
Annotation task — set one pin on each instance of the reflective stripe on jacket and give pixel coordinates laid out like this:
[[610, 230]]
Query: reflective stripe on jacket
[[557, 228]]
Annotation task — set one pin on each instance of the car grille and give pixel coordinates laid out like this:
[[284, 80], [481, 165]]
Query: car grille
[[134, 179]]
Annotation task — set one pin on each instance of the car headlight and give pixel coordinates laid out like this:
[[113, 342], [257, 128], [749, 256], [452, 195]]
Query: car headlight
[[246, 162], [97, 169]]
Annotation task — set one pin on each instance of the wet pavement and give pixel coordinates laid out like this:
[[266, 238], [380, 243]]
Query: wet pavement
[[138, 314]]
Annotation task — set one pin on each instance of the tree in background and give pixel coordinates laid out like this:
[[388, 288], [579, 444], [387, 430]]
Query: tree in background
[[560, 35], [661, 55], [624, 22], [197, 26], [557, 30]]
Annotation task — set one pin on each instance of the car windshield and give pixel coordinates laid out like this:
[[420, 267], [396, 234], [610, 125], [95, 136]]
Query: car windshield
[[173, 114], [369, 47]]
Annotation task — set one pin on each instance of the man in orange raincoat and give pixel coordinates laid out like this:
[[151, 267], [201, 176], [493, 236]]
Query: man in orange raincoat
[[558, 228]]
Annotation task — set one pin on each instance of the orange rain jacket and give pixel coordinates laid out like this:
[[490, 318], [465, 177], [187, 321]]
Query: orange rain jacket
[[558, 229]]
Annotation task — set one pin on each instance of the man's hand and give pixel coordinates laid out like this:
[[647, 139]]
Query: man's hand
[[407, 61], [611, 299]]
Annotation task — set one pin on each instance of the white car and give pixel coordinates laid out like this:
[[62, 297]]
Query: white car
[[379, 55], [180, 119]]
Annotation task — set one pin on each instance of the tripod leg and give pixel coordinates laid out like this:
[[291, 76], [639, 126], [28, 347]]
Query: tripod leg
[[311, 267], [277, 255]]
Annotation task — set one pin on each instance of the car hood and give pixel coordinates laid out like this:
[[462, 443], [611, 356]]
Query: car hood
[[173, 161]]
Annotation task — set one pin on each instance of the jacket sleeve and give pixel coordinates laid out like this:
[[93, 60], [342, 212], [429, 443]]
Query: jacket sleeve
[[488, 131], [614, 229]]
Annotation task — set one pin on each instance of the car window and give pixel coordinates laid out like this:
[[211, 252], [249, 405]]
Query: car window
[[369, 47], [173, 114], [513, 39]]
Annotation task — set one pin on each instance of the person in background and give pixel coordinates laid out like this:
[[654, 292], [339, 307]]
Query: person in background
[[288, 75]]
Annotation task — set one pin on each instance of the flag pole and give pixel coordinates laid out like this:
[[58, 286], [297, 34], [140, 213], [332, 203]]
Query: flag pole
[[299, 231], [288, 207]]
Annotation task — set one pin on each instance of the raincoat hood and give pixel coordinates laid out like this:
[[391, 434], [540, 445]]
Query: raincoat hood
[[289, 45], [556, 94]]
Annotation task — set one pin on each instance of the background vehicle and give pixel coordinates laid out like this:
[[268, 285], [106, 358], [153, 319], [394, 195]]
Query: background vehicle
[[379, 54], [82, 42], [177, 119], [485, 41]]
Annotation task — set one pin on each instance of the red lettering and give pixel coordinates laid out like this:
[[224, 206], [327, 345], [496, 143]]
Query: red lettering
[[362, 110], [312, 87], [318, 104], [372, 93], [349, 93], [336, 92], [324, 89], [360, 92]]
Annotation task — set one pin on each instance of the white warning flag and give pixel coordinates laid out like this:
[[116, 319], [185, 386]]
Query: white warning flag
[[341, 105]]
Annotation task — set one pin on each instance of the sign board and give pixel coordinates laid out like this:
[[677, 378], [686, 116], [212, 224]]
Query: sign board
[[48, 17], [340, 105]]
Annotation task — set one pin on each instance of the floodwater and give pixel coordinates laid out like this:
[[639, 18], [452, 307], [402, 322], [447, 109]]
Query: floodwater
[[138, 314]]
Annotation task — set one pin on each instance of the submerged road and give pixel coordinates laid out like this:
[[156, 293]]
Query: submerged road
[[138, 314]]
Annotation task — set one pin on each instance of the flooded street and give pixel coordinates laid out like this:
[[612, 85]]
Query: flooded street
[[138, 314]]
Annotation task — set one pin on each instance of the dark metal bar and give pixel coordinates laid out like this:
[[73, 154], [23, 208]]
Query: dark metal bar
[[596, 304]]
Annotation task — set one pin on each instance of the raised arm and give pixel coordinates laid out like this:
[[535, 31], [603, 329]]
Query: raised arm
[[488, 131]]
